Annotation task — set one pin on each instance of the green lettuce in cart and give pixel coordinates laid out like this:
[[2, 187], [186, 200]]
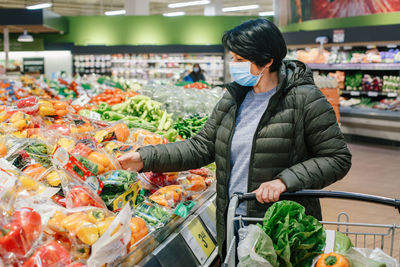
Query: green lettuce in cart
[[297, 237]]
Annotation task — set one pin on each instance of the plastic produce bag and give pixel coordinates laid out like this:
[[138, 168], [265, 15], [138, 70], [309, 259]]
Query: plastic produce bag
[[364, 257], [154, 215], [78, 229], [169, 196], [78, 193], [120, 187], [20, 234], [256, 249], [113, 243]]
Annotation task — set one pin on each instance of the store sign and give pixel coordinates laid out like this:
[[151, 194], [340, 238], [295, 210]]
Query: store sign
[[338, 36], [33, 65], [198, 239], [36, 45], [208, 216], [373, 94]]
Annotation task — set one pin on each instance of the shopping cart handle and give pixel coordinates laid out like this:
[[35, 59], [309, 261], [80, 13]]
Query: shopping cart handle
[[329, 194]]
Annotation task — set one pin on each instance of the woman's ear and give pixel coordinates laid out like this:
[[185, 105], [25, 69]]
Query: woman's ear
[[269, 64]]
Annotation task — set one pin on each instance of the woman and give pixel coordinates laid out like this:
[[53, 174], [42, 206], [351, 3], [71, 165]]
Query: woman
[[196, 75], [273, 130]]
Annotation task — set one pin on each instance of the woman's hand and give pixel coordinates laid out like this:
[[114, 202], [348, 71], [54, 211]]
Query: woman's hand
[[131, 161], [270, 191]]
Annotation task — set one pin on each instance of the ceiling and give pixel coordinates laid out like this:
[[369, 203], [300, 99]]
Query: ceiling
[[97, 7]]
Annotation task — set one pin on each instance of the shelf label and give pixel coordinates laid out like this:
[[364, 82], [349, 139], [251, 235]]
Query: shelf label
[[354, 93], [197, 238], [373, 94], [392, 94], [208, 216]]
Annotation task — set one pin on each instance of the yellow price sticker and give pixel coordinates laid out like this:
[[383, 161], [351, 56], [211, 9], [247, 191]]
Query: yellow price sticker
[[202, 237]]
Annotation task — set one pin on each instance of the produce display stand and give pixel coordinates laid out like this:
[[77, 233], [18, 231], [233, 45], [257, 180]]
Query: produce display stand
[[190, 241], [373, 123], [391, 229]]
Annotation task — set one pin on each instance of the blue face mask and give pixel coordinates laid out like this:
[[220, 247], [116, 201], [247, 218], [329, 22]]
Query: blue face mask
[[240, 72], [196, 69]]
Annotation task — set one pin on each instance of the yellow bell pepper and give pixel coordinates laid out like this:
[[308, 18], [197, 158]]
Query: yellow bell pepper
[[28, 183], [53, 179], [103, 225], [56, 222], [88, 233], [71, 222], [96, 215], [110, 147], [68, 144]]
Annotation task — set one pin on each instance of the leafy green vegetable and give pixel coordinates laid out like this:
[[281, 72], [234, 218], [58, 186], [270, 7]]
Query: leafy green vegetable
[[153, 214], [39, 153], [342, 243], [92, 167], [297, 237], [116, 183]]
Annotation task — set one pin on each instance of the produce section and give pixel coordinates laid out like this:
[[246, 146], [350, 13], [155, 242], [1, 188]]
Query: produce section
[[155, 68], [368, 79], [60, 160]]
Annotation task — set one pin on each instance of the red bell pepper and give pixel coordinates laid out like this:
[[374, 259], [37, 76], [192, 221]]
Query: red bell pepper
[[80, 196], [82, 150], [30, 221], [49, 255], [29, 104], [61, 128], [19, 235], [12, 241], [59, 200], [76, 264]]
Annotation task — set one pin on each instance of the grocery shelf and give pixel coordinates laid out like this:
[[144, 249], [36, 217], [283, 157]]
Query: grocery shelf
[[368, 122], [355, 66], [169, 244], [369, 93], [166, 61]]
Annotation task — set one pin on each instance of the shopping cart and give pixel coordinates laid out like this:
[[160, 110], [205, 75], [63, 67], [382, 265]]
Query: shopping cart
[[371, 235]]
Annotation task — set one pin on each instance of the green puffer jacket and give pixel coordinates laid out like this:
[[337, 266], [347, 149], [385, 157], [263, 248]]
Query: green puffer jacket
[[298, 140]]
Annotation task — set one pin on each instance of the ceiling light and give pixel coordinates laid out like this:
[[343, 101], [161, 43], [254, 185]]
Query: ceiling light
[[174, 14], [25, 37], [115, 12], [266, 13], [239, 8], [39, 6], [191, 3]]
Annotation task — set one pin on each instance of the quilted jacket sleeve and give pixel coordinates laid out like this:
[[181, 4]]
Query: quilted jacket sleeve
[[193, 153], [330, 158]]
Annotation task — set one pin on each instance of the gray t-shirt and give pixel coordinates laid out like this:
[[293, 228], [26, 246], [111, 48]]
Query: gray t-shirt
[[248, 118]]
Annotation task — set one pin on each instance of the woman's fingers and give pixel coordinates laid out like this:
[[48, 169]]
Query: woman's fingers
[[270, 191], [259, 195]]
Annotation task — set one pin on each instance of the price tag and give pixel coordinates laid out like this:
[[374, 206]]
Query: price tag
[[354, 93], [94, 115], [208, 217], [81, 101], [373, 94], [392, 94], [198, 240]]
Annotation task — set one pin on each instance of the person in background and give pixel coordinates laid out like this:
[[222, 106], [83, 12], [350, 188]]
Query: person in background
[[273, 130], [196, 75]]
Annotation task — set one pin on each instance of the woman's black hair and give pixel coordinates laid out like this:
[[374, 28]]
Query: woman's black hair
[[257, 40]]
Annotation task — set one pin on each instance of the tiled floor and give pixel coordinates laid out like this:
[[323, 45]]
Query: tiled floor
[[376, 171]]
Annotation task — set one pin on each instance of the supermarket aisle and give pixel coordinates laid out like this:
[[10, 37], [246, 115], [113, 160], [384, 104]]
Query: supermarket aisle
[[376, 171]]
